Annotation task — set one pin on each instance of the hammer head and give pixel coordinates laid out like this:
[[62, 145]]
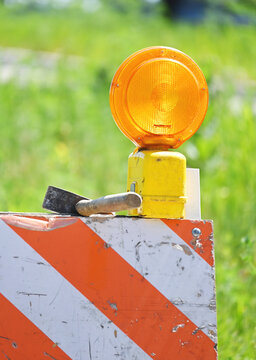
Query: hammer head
[[61, 201]]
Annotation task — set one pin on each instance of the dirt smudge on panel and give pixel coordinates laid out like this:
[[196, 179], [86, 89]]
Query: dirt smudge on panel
[[177, 327], [182, 247], [50, 356], [107, 246], [137, 254], [113, 305], [6, 356], [197, 329], [30, 294], [90, 349], [5, 338]]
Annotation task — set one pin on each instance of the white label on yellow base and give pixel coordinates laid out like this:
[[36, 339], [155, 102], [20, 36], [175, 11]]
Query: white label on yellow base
[[193, 204]]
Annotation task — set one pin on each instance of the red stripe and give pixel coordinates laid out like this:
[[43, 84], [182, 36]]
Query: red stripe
[[121, 293], [20, 339], [203, 245]]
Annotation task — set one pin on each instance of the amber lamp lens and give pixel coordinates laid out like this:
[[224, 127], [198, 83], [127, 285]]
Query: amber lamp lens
[[158, 97]]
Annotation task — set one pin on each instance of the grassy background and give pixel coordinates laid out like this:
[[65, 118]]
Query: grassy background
[[56, 128]]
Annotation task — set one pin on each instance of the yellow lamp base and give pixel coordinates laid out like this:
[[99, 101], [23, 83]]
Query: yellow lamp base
[[159, 177]]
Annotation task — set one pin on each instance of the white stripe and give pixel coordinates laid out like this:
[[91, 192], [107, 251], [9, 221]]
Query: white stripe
[[167, 262], [56, 307]]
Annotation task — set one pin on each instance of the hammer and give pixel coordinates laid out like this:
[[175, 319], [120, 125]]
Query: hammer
[[66, 202]]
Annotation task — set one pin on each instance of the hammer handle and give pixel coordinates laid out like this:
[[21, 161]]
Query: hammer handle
[[109, 203]]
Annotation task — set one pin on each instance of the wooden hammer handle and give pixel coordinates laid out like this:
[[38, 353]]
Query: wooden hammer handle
[[109, 203]]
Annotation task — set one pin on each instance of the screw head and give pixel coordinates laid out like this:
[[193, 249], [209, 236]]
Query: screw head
[[196, 232]]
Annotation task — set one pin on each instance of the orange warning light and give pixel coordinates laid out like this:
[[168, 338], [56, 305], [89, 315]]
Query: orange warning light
[[158, 97]]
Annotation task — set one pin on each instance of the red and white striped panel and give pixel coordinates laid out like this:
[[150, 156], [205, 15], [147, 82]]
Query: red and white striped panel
[[106, 288]]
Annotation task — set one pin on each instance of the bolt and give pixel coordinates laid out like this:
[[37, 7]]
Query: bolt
[[196, 232]]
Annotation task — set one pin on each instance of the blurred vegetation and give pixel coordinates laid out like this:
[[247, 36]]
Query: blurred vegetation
[[237, 6], [57, 128]]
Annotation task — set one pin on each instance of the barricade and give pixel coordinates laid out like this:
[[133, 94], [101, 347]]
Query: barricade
[[106, 288]]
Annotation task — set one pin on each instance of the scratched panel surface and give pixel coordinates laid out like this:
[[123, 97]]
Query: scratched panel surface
[[106, 288]]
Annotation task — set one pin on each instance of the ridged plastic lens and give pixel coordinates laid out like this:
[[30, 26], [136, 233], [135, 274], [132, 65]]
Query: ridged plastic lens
[[158, 97]]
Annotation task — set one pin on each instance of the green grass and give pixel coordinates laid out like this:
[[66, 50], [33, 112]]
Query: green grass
[[60, 132]]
